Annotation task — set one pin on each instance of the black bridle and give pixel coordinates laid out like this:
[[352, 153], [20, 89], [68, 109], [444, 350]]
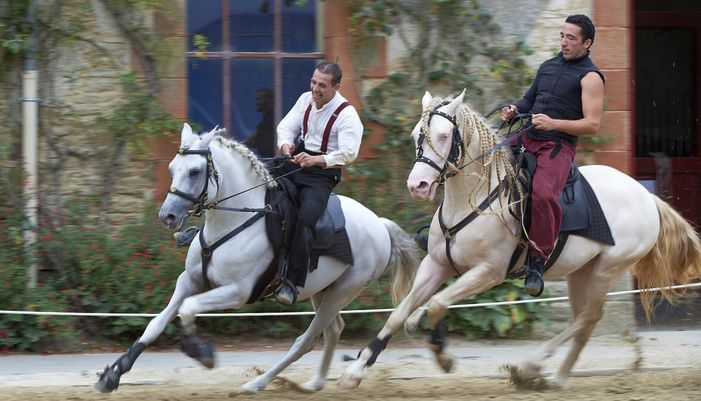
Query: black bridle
[[199, 202], [455, 146], [200, 205]]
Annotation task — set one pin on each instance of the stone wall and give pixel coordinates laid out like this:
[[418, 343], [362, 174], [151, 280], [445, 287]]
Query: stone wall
[[79, 84]]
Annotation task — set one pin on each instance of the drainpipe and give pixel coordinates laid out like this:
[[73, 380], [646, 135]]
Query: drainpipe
[[30, 108]]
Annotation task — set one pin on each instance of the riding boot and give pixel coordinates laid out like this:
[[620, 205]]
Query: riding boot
[[186, 236], [534, 277], [294, 273]]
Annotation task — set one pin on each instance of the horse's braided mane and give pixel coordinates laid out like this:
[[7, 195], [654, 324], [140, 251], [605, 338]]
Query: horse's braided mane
[[470, 122], [257, 166]]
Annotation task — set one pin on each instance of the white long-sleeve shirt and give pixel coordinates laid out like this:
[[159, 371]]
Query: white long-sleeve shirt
[[344, 139]]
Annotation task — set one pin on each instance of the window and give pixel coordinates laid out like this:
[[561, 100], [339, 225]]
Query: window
[[258, 60]]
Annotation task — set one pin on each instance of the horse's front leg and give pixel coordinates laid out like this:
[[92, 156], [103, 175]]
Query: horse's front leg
[[109, 379], [429, 277], [475, 281], [225, 297]]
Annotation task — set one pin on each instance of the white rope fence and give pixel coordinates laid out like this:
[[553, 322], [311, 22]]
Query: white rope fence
[[347, 312]]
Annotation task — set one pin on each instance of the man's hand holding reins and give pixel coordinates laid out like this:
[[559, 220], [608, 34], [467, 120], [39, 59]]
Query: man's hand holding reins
[[507, 113], [306, 160], [544, 123]]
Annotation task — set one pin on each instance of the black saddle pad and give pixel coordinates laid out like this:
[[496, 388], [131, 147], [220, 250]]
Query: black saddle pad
[[581, 211], [330, 236], [581, 215]]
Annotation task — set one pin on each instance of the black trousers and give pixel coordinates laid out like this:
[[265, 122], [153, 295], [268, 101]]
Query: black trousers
[[314, 185]]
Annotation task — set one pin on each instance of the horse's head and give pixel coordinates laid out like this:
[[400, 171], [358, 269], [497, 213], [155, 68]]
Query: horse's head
[[438, 146], [191, 170]]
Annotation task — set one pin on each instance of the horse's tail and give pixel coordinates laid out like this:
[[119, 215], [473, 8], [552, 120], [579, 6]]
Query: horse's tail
[[675, 259], [404, 260]]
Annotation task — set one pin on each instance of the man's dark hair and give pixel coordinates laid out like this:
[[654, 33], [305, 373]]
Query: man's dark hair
[[327, 67], [585, 24]]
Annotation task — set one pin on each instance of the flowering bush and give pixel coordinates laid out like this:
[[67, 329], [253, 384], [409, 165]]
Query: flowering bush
[[132, 266]]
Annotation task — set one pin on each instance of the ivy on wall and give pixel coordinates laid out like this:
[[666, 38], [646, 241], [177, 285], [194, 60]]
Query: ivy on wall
[[448, 45], [120, 130]]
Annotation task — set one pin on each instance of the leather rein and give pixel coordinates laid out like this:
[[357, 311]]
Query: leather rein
[[200, 205], [453, 158]]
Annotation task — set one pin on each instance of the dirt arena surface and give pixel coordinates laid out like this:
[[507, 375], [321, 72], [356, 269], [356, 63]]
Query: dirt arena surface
[[641, 386], [663, 365]]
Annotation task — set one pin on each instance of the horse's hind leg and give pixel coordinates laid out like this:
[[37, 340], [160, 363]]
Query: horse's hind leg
[[587, 293], [587, 301], [334, 299], [109, 379], [332, 333]]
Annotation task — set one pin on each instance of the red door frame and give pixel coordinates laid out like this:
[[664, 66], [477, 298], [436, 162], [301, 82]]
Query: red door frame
[[686, 171]]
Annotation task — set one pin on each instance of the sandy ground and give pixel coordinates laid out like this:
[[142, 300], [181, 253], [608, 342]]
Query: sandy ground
[[675, 385], [660, 365]]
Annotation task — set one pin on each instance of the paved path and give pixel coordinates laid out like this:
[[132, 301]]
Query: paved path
[[659, 350]]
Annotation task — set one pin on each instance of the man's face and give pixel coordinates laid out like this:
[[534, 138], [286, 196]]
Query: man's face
[[322, 89], [571, 42]]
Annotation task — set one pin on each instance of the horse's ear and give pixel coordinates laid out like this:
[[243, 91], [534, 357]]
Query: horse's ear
[[452, 107], [207, 137], [185, 134], [426, 100]]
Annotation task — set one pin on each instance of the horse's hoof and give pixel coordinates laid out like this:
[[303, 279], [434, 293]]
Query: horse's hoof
[[556, 382], [445, 362], [250, 388], [108, 381], [199, 350], [314, 385], [348, 382], [529, 370]]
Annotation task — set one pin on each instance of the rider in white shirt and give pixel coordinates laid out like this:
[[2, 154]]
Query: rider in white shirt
[[321, 133]]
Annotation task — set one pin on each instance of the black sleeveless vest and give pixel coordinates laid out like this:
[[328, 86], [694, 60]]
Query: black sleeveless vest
[[557, 92]]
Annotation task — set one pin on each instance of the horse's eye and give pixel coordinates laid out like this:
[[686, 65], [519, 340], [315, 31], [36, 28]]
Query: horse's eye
[[194, 172]]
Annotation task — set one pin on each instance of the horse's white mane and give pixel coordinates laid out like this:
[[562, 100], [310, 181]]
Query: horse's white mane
[[472, 124], [257, 166]]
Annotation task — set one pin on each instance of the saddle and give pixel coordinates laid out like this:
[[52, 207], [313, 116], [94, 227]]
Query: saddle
[[581, 213], [330, 235]]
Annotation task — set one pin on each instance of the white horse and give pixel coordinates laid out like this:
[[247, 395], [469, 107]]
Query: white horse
[[211, 168], [651, 239]]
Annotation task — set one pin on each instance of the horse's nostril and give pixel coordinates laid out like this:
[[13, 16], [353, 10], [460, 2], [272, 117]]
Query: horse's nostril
[[422, 185]]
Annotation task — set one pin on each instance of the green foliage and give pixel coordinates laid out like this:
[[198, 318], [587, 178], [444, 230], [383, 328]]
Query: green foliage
[[132, 266], [14, 33], [26, 332], [453, 44], [497, 320], [139, 118], [448, 38]]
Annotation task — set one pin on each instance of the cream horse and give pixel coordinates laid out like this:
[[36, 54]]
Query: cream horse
[[210, 168], [652, 240]]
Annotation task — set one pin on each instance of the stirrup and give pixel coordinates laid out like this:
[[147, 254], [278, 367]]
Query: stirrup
[[185, 237], [535, 283], [421, 240], [286, 294]]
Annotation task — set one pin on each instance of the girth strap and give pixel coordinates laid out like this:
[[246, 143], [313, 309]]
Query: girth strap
[[207, 251], [449, 233]]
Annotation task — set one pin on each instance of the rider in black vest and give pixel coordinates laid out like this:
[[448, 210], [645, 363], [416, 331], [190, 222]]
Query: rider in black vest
[[566, 100], [322, 133]]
